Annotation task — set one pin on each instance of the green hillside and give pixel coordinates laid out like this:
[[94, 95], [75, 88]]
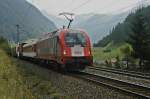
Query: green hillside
[[120, 33]]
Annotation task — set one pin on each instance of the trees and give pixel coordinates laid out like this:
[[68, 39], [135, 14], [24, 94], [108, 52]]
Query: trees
[[140, 38]]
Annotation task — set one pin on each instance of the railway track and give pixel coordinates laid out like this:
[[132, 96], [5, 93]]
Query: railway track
[[123, 72], [138, 90], [134, 89]]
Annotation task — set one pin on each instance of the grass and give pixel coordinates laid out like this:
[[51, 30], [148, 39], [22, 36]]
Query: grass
[[108, 52], [17, 82]]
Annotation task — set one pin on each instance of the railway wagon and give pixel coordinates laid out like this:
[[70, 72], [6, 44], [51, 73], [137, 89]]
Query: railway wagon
[[67, 47]]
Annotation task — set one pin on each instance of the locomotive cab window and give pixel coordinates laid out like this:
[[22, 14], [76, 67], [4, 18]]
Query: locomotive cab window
[[72, 39]]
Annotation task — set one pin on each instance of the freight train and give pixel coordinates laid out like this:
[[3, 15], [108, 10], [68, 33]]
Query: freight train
[[70, 48]]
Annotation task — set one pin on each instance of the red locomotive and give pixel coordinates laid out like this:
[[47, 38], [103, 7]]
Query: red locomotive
[[68, 47]]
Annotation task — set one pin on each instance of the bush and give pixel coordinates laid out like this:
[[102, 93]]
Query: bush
[[117, 63]]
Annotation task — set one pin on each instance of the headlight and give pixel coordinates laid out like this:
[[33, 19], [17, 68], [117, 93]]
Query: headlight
[[89, 52], [65, 52]]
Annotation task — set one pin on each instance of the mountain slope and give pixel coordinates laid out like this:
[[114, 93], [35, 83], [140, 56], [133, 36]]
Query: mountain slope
[[120, 33], [99, 25], [32, 22]]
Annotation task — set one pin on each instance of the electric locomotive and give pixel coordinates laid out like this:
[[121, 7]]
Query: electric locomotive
[[70, 48]]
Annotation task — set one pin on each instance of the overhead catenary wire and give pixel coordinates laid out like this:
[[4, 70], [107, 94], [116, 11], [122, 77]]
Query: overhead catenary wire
[[81, 5], [139, 3], [135, 6], [68, 4]]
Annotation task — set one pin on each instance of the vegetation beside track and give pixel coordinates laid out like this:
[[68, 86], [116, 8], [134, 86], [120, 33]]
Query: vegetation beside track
[[17, 82], [134, 31], [108, 52]]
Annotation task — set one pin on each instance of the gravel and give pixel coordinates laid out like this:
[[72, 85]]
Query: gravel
[[75, 88]]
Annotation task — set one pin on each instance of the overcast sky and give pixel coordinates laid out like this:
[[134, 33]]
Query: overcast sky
[[85, 6]]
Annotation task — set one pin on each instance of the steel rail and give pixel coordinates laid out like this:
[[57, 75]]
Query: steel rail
[[131, 88], [123, 72]]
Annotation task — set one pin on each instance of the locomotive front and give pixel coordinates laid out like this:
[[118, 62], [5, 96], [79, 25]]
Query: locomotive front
[[76, 49]]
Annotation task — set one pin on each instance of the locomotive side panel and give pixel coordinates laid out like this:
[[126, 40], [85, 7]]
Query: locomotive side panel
[[42, 50], [49, 49]]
